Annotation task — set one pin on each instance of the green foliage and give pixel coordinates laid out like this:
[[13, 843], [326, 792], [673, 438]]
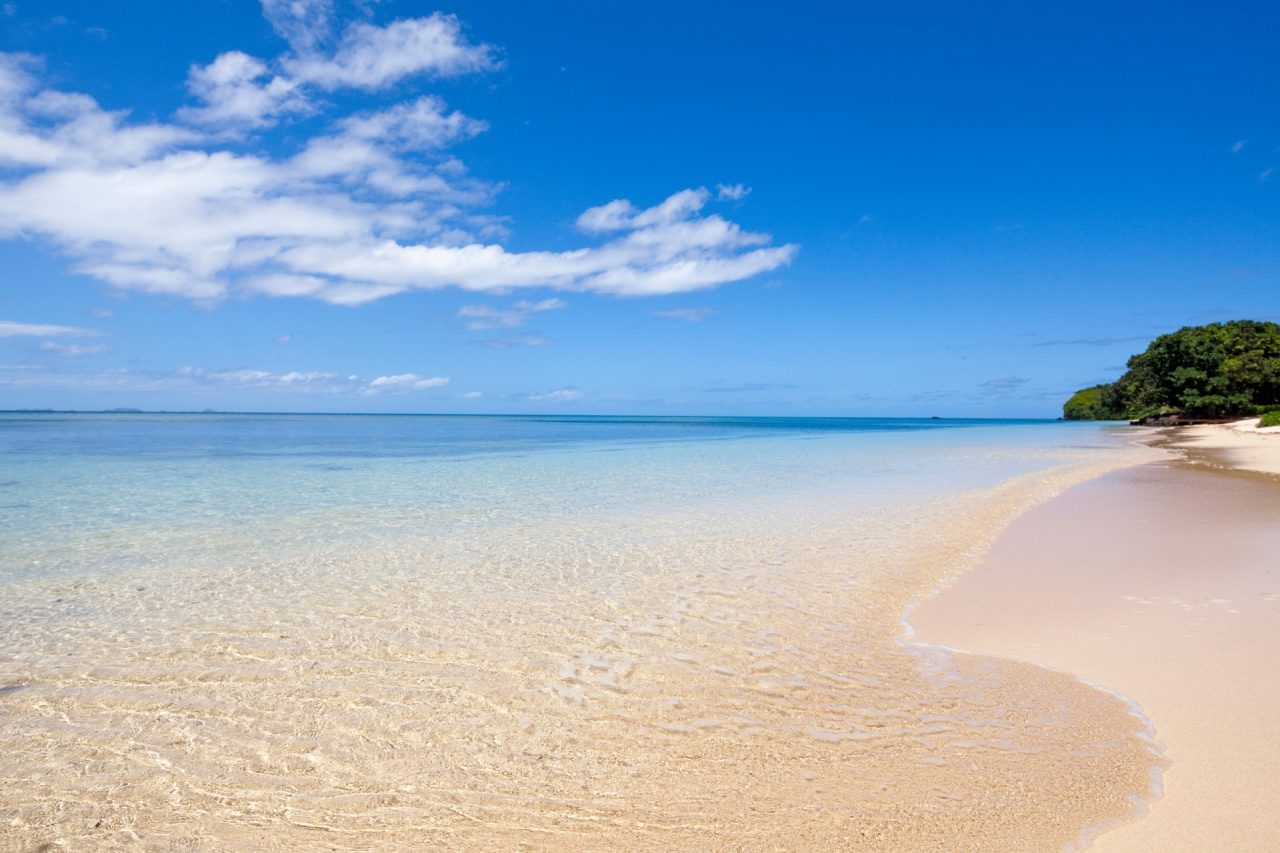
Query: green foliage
[[1270, 419], [1218, 370], [1088, 404]]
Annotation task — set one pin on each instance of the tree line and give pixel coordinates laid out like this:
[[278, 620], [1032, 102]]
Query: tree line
[[1216, 371]]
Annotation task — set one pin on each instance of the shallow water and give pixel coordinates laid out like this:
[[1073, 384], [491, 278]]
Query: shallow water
[[360, 632]]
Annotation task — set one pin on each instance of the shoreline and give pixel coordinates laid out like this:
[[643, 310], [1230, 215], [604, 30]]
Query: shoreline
[[1150, 583], [1240, 445]]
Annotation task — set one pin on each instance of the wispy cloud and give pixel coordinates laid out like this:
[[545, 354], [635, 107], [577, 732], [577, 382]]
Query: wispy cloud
[[371, 57], [193, 378], [685, 315], [1002, 385], [732, 192], [239, 91], [13, 329], [307, 25], [73, 350], [365, 205], [403, 382], [508, 341], [1239, 145], [250, 377], [563, 395], [488, 317]]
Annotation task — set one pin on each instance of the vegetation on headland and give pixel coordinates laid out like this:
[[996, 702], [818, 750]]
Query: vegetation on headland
[[1086, 405], [1270, 419], [1220, 370]]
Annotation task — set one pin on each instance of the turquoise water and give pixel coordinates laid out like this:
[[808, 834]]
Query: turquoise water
[[372, 632], [89, 492]]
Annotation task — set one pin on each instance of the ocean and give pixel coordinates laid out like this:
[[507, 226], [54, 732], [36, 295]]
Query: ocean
[[355, 632]]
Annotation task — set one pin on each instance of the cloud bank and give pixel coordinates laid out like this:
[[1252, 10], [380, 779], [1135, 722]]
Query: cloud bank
[[218, 202]]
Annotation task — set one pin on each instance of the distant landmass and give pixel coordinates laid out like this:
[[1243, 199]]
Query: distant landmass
[[1221, 370]]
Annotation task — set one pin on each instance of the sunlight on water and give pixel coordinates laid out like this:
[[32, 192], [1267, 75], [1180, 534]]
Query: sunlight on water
[[280, 632]]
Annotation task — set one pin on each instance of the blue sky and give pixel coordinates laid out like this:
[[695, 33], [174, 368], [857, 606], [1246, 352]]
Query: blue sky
[[791, 209]]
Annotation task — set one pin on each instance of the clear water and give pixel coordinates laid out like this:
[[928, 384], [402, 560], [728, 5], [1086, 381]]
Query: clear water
[[95, 492], [361, 631]]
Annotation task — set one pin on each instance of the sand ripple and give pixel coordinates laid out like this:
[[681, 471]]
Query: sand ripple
[[695, 682]]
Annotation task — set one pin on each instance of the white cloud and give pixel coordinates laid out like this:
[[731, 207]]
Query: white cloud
[[732, 192], [687, 315], [238, 90], [198, 379], [312, 380], [73, 350], [473, 395], [564, 395], [614, 216], [282, 340], [266, 377], [370, 57], [238, 379], [622, 215], [48, 130], [417, 124], [295, 377], [488, 317], [406, 382], [1239, 145], [12, 329], [369, 206]]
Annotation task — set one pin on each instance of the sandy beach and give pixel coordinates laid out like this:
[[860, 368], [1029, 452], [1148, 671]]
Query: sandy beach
[[1240, 445], [1157, 582]]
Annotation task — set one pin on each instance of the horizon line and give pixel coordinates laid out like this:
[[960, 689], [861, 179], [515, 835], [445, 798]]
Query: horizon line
[[135, 411]]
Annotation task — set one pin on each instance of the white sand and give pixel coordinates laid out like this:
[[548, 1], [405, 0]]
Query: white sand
[[1161, 583], [1244, 444]]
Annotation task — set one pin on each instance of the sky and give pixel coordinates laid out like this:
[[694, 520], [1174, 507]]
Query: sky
[[827, 209]]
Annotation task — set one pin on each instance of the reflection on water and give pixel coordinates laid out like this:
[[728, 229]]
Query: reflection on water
[[681, 642]]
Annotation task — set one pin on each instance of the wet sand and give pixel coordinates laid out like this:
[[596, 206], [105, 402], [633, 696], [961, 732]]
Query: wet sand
[[1160, 583]]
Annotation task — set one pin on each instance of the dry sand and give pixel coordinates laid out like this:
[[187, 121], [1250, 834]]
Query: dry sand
[[1241, 444], [1159, 582]]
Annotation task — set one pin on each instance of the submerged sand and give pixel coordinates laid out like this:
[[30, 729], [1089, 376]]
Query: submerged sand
[[678, 685], [1159, 582]]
